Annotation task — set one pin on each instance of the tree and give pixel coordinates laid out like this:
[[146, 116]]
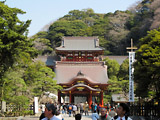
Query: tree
[[147, 76], [123, 77], [65, 28], [39, 78], [112, 69], [42, 44], [124, 70], [14, 90], [118, 78], [13, 40]]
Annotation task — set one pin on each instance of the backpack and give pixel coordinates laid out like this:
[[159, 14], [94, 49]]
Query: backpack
[[70, 107]]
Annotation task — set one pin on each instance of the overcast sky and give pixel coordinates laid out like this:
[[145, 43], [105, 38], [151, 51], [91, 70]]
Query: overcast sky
[[43, 12]]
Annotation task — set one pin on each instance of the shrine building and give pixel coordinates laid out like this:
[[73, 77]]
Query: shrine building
[[81, 74]]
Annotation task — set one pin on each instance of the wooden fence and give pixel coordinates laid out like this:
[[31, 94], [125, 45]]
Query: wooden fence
[[13, 110], [146, 109]]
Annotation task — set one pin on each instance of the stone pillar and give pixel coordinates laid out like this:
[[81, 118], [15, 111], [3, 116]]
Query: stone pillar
[[3, 106], [101, 97]]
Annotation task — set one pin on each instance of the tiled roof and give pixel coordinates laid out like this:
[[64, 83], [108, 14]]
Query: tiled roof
[[119, 59], [80, 44], [95, 71], [48, 60], [119, 98]]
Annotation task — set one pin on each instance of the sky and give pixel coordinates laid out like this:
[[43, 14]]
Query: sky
[[43, 12]]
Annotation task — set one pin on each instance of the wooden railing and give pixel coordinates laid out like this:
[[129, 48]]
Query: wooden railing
[[145, 109]]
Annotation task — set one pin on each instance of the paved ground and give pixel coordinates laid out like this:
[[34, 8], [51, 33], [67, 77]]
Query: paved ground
[[65, 116]]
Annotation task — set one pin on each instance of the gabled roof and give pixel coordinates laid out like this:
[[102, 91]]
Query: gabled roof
[[66, 71], [80, 44]]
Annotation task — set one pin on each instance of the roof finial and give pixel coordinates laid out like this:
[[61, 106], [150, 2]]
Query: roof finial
[[80, 73]]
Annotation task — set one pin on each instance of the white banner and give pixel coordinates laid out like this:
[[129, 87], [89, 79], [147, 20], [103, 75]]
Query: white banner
[[131, 77]]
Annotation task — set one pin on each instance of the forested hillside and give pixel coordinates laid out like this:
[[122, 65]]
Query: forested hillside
[[114, 30]]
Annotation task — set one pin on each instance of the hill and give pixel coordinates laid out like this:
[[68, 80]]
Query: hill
[[114, 30]]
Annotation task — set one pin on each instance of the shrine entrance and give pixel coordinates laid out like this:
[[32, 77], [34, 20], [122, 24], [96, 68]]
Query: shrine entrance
[[82, 75], [80, 99]]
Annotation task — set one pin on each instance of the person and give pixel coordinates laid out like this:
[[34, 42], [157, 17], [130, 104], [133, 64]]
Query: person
[[95, 106], [42, 116], [81, 108], [78, 116], [104, 115], [43, 108], [49, 112], [74, 109], [95, 116], [122, 112], [58, 114], [112, 113], [70, 108], [98, 108], [92, 107], [86, 108]]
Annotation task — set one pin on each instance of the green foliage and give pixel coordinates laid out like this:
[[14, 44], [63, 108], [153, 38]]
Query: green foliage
[[42, 44], [17, 84], [40, 79], [124, 70], [65, 28], [147, 66], [112, 67], [112, 71], [14, 46], [118, 78], [19, 105], [110, 28], [12, 40], [113, 29], [33, 80]]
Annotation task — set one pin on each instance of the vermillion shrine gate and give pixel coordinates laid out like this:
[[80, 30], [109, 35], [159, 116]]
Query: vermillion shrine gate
[[80, 73]]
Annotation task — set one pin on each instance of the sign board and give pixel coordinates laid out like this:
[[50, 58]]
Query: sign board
[[131, 76]]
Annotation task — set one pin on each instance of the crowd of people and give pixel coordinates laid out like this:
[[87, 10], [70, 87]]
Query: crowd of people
[[56, 111]]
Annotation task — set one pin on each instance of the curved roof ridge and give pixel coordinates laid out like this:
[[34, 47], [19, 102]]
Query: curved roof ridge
[[81, 85], [85, 77]]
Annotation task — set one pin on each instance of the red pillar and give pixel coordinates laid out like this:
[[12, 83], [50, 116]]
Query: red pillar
[[70, 97], [90, 99], [102, 98], [59, 96]]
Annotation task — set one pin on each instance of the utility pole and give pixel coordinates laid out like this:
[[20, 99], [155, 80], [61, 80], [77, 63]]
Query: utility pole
[[131, 71]]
